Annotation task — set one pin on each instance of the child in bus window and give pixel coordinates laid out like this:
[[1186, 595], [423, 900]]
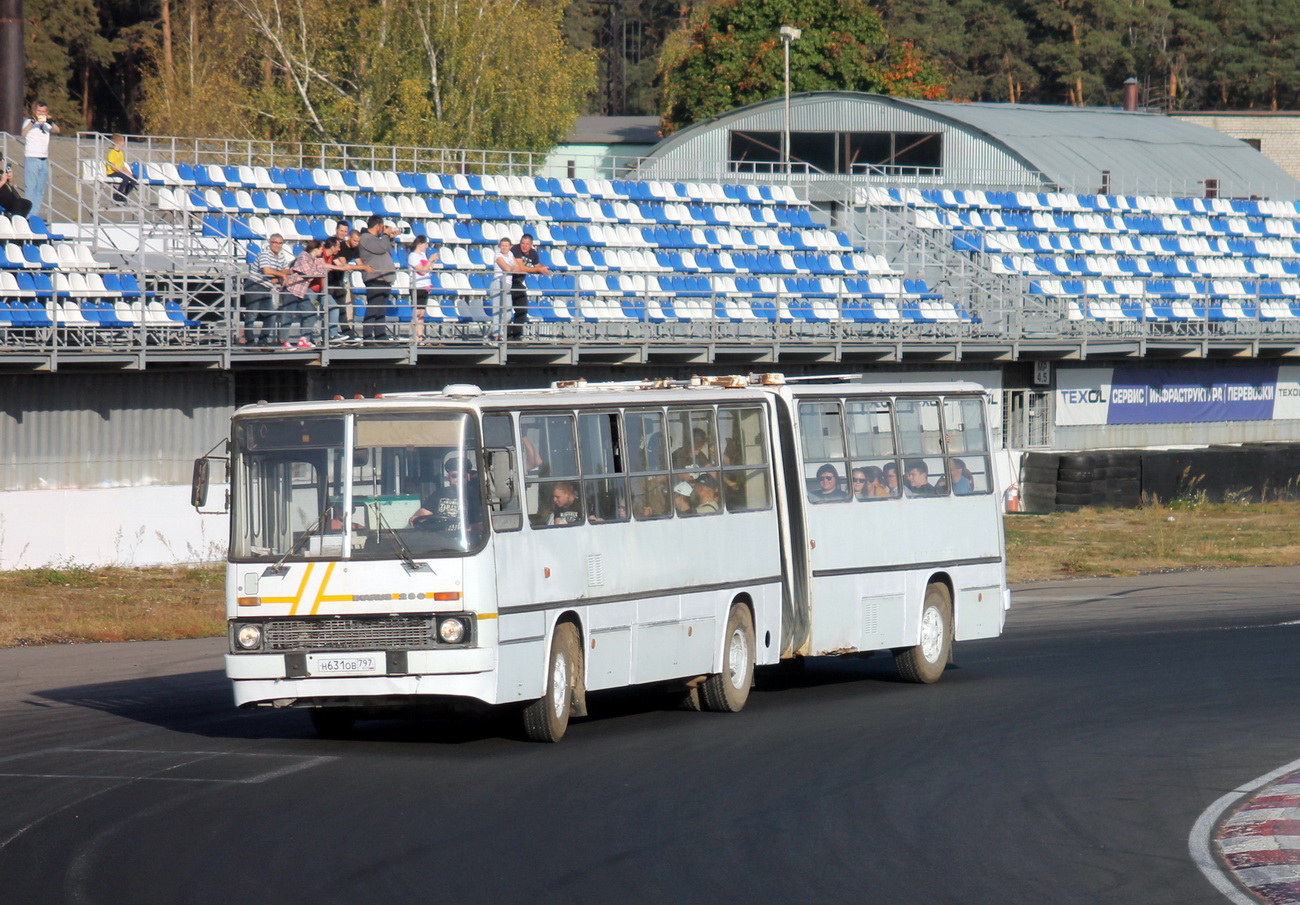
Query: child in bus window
[[565, 506]]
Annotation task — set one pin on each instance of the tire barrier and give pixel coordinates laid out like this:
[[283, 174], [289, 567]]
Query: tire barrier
[[1119, 479]]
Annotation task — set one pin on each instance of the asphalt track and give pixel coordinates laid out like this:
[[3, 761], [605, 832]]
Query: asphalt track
[[1067, 761]]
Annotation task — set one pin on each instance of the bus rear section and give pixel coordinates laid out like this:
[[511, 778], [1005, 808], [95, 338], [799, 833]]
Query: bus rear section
[[902, 531]]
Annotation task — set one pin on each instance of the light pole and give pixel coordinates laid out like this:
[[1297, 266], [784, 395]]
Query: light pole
[[788, 33]]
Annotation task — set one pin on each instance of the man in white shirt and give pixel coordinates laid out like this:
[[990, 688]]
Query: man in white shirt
[[36, 132]]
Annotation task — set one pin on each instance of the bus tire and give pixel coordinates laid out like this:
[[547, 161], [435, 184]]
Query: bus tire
[[333, 722], [546, 718], [727, 691], [925, 662]]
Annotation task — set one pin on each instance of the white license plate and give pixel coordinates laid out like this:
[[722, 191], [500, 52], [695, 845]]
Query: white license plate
[[346, 664]]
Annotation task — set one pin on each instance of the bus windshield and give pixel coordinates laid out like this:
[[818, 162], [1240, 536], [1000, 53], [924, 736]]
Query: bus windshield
[[395, 485]]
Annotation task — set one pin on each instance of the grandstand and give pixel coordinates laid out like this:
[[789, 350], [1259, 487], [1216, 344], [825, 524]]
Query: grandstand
[[659, 265]]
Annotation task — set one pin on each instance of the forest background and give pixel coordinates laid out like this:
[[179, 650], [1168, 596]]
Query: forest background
[[515, 73]]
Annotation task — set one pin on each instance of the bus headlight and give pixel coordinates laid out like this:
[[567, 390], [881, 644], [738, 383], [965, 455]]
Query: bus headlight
[[452, 630], [248, 636]]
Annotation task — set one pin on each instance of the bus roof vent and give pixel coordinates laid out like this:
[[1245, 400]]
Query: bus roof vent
[[577, 384], [461, 389], [772, 379]]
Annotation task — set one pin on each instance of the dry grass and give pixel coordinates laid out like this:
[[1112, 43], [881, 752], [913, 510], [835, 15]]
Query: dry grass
[[1187, 535], [59, 606]]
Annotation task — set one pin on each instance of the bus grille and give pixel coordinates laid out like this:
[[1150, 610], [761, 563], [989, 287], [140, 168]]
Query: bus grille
[[388, 633]]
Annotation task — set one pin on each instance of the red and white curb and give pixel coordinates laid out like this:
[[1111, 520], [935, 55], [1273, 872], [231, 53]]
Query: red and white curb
[[1254, 854]]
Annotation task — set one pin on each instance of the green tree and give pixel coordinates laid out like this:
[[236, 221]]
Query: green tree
[[445, 73], [729, 54], [62, 40], [982, 46]]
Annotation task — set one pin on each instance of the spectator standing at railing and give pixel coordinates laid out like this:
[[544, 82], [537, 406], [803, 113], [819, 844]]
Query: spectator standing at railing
[[377, 255], [117, 169], [349, 256], [421, 261], [36, 132], [336, 298], [300, 297], [502, 269], [527, 261], [261, 290]]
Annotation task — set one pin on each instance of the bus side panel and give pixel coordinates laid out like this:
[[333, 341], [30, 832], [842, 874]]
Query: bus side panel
[[979, 604], [521, 660], [860, 550]]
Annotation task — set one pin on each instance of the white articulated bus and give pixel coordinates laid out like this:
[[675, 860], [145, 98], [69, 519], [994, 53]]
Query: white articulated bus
[[529, 546]]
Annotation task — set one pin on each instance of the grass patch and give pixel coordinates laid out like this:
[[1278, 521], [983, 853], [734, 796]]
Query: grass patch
[[65, 605], [1189, 534], [72, 604]]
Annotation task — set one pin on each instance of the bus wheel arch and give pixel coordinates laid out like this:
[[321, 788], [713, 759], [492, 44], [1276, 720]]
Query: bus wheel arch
[[728, 690], [925, 661], [564, 687]]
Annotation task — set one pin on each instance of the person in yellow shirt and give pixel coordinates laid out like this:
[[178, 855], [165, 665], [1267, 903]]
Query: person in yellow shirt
[[117, 169]]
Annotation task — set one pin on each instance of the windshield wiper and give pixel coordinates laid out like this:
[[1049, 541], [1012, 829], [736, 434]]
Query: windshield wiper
[[279, 568], [408, 561]]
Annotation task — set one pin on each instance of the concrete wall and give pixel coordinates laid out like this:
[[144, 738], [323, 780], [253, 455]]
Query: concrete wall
[[1278, 133]]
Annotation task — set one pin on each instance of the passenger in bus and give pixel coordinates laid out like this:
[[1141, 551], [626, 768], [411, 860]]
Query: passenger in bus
[[698, 452], [889, 478], [868, 483], [828, 488], [682, 494], [706, 494], [565, 506], [441, 511], [916, 478], [650, 497], [959, 477]]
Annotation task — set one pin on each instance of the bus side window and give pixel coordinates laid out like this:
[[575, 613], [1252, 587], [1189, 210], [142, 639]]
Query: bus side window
[[745, 484], [647, 464], [871, 443], [550, 437], [826, 471], [500, 475], [967, 446], [604, 487], [919, 430]]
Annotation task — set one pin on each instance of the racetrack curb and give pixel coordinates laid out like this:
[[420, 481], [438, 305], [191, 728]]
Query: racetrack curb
[[1260, 843]]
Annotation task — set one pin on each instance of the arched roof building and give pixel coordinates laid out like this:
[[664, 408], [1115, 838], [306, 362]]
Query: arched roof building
[[875, 138]]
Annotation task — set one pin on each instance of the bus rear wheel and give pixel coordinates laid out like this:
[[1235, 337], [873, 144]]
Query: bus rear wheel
[[727, 691], [546, 719], [926, 661]]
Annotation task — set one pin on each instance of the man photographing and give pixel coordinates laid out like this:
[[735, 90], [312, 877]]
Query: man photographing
[[36, 132]]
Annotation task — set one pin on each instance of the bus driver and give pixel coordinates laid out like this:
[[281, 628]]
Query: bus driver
[[441, 511]]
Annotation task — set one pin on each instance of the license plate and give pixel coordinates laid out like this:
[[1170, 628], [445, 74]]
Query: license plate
[[346, 664]]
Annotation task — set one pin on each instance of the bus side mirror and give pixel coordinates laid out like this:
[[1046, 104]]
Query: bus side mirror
[[200, 483]]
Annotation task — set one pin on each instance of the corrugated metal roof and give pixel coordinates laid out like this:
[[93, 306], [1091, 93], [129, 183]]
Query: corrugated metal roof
[[1069, 146]]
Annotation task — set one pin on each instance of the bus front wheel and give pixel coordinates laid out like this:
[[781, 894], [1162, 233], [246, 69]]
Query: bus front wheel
[[925, 662], [727, 691], [546, 718]]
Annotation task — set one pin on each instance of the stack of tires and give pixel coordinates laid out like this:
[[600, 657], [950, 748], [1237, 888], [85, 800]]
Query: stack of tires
[[1038, 472], [1066, 482]]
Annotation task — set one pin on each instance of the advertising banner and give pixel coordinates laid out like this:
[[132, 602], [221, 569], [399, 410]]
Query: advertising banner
[[1145, 394]]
